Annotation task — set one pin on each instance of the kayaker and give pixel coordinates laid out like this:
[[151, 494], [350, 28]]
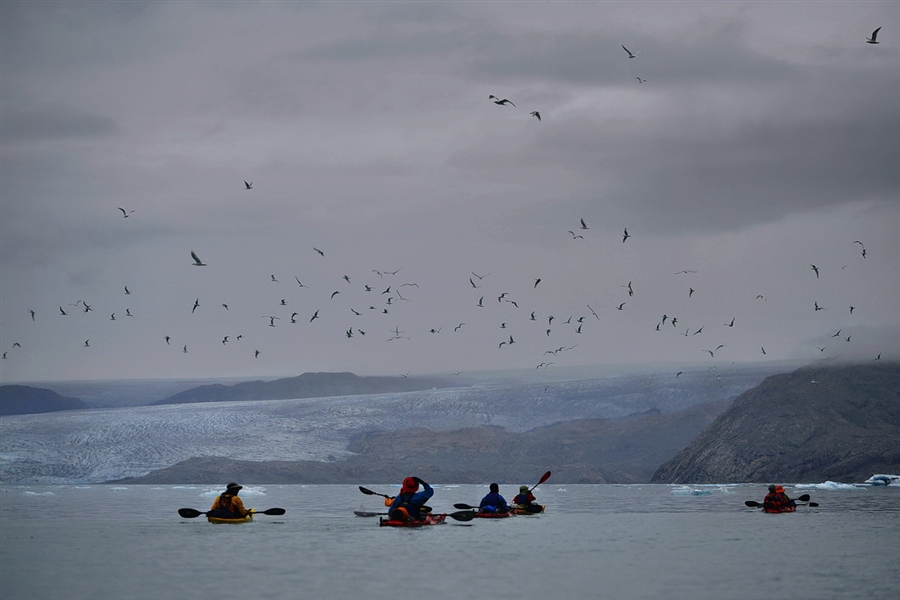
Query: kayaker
[[493, 502], [524, 497], [227, 505], [410, 503], [777, 499]]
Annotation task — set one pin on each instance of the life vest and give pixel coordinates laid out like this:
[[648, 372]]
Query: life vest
[[224, 504], [526, 498], [406, 509]]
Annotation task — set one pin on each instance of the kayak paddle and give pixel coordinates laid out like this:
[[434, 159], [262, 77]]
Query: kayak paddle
[[369, 492], [544, 478], [754, 504], [803, 498], [463, 515], [190, 513]]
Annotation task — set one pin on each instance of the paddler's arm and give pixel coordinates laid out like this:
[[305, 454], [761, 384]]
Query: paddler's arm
[[238, 505]]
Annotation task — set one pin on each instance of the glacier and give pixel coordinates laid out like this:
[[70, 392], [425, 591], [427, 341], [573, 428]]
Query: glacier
[[104, 444]]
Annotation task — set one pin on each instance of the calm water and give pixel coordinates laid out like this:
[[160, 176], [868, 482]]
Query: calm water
[[104, 542]]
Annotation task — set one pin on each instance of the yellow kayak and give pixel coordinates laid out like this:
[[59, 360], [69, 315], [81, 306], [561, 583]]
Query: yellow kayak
[[246, 519]]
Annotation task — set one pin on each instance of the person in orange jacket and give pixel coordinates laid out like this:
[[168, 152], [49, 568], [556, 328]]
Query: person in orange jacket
[[777, 499], [227, 505]]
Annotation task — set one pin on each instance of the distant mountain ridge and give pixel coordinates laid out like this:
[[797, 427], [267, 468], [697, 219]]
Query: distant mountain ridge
[[27, 400], [307, 385], [814, 424]]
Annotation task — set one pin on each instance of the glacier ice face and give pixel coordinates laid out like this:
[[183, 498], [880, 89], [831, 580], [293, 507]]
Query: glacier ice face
[[93, 446]]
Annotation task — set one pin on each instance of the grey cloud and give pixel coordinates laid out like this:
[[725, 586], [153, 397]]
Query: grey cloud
[[42, 122]]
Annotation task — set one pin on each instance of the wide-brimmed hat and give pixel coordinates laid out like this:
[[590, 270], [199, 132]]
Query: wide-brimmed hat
[[233, 487], [409, 485]]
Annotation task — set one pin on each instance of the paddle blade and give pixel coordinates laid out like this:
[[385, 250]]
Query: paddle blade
[[271, 511], [464, 515], [465, 506], [367, 491], [803, 498], [190, 513], [362, 513], [752, 503], [813, 504], [544, 478]]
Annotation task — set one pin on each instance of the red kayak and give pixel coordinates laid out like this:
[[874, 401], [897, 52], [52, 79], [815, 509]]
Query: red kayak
[[428, 520]]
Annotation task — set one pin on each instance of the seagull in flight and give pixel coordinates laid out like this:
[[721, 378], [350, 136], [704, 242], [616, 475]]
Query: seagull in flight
[[535, 114], [640, 80], [872, 39], [583, 224], [497, 100], [816, 269], [625, 236], [125, 213], [197, 261], [196, 305], [248, 185], [630, 53]]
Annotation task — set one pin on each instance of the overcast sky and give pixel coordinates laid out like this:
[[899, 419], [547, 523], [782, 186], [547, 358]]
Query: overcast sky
[[745, 142]]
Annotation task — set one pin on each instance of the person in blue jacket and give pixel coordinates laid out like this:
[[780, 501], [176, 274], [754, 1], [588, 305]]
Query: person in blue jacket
[[494, 502], [409, 505]]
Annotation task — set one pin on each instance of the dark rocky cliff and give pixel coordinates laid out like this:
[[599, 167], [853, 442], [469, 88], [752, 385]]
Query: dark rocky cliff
[[27, 400], [811, 425]]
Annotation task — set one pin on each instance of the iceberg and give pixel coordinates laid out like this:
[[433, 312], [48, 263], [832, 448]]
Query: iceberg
[[881, 479], [827, 485], [689, 491]]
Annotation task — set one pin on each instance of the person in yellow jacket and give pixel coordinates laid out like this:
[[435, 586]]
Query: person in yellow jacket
[[227, 505]]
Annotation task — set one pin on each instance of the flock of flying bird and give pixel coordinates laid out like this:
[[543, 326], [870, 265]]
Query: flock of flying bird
[[390, 295]]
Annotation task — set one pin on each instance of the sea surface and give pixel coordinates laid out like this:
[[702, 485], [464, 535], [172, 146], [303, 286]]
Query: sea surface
[[111, 542]]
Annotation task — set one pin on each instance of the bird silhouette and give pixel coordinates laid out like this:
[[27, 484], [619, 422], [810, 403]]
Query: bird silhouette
[[502, 102], [816, 269], [817, 307], [248, 185], [640, 80], [125, 213], [630, 53], [872, 40], [197, 261], [535, 114], [625, 236], [730, 324]]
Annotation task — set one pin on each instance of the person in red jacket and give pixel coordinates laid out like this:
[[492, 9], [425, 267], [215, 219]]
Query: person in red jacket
[[777, 500], [524, 497]]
